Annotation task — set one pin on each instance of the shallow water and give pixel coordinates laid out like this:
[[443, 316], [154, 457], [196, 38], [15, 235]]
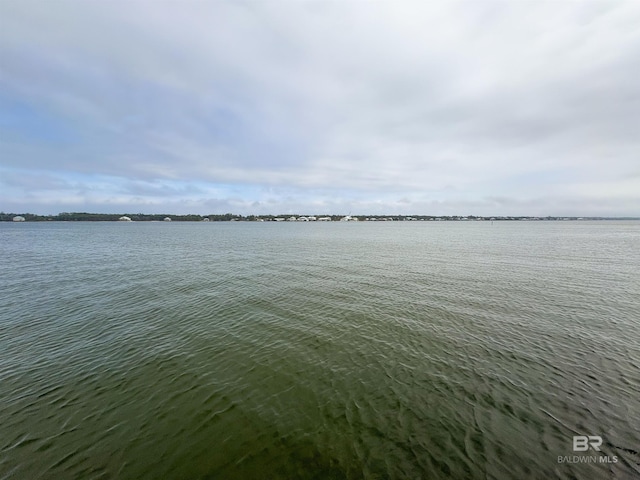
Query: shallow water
[[319, 350]]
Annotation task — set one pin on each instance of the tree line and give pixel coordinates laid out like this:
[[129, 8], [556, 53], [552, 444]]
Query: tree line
[[112, 217], [226, 217]]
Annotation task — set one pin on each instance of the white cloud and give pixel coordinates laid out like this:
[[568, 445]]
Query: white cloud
[[349, 105]]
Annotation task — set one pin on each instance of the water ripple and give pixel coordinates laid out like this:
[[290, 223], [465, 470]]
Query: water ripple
[[318, 351]]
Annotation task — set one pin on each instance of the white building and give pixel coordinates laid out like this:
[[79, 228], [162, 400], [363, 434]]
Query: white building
[[124, 219], [18, 218]]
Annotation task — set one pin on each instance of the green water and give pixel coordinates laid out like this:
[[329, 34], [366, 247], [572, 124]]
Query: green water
[[457, 350]]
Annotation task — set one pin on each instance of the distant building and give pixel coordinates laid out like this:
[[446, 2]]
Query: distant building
[[18, 218], [205, 219], [324, 219], [167, 219], [124, 219]]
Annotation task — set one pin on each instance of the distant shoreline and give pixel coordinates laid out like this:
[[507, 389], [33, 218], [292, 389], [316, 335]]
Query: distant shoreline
[[229, 217]]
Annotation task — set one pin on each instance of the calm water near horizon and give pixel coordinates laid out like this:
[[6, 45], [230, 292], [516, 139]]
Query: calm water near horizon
[[237, 350]]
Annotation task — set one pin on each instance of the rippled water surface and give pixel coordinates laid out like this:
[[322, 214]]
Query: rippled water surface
[[427, 350]]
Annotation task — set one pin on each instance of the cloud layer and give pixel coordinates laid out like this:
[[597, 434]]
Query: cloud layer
[[365, 107]]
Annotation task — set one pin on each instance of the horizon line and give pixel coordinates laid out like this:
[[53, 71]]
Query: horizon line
[[5, 215]]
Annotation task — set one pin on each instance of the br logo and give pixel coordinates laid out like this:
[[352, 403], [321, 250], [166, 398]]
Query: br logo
[[582, 443]]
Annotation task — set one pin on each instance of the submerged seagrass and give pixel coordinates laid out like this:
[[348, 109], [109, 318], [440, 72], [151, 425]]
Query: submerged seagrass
[[370, 350]]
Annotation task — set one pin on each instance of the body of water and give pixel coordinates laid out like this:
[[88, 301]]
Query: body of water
[[433, 350]]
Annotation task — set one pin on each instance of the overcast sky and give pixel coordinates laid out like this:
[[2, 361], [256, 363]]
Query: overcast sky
[[283, 106]]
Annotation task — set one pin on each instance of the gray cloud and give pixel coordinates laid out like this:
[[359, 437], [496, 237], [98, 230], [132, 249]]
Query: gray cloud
[[444, 105]]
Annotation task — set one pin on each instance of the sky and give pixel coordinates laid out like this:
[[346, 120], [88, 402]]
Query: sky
[[320, 107]]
